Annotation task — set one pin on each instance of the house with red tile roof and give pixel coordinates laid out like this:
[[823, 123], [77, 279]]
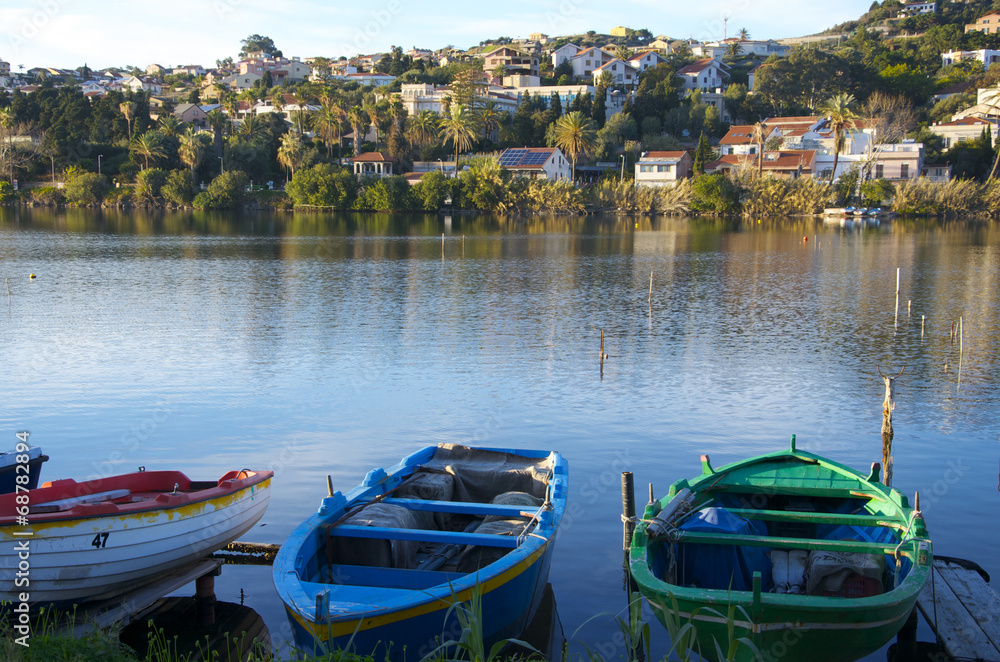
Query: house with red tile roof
[[783, 164], [587, 60], [374, 164], [706, 75], [623, 74], [967, 128], [662, 168]]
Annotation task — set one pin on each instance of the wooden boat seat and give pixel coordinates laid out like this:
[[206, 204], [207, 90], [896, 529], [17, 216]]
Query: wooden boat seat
[[786, 543], [461, 507], [421, 535], [817, 518], [394, 578]]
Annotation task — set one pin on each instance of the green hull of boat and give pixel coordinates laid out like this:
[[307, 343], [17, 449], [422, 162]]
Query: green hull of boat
[[782, 625]]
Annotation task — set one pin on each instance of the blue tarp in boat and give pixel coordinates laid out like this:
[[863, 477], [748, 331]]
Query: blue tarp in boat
[[723, 566]]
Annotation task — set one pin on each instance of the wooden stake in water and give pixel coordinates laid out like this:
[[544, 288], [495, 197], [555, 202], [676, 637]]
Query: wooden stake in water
[[887, 433], [650, 287], [896, 321], [8, 293], [961, 333], [909, 302], [442, 244], [923, 318]]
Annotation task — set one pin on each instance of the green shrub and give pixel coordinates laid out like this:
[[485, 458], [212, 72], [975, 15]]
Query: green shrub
[[178, 188], [48, 195], [87, 188], [120, 196], [323, 185], [149, 182], [227, 191], [6, 191], [877, 192], [433, 190], [714, 193], [127, 172], [387, 194]]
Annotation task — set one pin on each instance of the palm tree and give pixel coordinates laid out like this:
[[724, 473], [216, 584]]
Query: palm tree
[[170, 125], [489, 118], [840, 108], [460, 129], [759, 136], [290, 151], [128, 110], [192, 150], [232, 106], [252, 128], [605, 80], [575, 134], [359, 123], [149, 146], [744, 34], [217, 123], [328, 122], [301, 99], [422, 128]]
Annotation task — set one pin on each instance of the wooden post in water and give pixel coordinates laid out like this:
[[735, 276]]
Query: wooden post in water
[[631, 589], [650, 288], [897, 297], [887, 406]]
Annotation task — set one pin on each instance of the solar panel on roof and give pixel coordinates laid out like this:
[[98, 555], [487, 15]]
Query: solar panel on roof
[[512, 157]]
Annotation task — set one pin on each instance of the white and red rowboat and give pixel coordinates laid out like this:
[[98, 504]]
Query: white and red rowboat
[[99, 539]]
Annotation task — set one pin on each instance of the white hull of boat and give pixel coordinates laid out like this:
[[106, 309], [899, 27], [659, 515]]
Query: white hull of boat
[[101, 557]]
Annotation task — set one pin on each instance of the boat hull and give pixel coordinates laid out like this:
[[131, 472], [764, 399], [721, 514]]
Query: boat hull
[[509, 602], [785, 625], [394, 613], [82, 558]]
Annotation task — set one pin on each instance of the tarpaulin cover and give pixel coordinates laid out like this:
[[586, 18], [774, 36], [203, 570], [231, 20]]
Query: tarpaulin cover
[[723, 566]]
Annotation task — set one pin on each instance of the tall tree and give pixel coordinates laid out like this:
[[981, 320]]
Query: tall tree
[[128, 110], [217, 123], [192, 150], [841, 110], [460, 128], [330, 122], [575, 134], [258, 43], [422, 128], [291, 151], [149, 146], [359, 124], [759, 136]]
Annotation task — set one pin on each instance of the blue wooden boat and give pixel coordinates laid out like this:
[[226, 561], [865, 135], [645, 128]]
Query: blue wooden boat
[[379, 569], [26, 463]]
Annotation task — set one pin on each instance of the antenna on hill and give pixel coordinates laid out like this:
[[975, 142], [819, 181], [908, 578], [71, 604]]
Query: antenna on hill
[[725, 22]]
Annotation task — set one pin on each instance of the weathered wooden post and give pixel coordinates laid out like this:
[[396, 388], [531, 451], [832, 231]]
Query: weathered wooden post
[[887, 406], [631, 588]]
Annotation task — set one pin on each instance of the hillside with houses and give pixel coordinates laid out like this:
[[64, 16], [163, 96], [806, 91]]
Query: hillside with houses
[[908, 92]]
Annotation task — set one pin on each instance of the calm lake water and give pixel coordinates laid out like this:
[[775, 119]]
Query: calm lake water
[[329, 344]]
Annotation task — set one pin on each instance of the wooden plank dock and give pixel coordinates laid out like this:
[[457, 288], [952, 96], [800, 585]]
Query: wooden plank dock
[[963, 610]]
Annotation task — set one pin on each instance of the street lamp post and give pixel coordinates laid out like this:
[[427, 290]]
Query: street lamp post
[[222, 166], [441, 166], [622, 178], [99, 163], [53, 170]]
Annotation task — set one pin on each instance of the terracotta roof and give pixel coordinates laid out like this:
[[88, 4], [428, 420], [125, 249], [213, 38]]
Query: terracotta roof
[[957, 88], [741, 134], [605, 66], [783, 160], [793, 120], [967, 121], [371, 157], [696, 66]]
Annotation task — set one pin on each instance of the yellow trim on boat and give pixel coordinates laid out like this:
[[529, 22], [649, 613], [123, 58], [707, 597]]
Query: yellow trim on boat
[[327, 631], [142, 517]]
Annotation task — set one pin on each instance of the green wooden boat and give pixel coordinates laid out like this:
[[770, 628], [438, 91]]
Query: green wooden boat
[[802, 557]]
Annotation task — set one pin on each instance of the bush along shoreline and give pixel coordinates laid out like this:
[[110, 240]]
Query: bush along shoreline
[[483, 186]]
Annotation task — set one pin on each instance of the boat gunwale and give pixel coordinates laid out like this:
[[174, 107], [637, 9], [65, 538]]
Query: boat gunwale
[[101, 509]]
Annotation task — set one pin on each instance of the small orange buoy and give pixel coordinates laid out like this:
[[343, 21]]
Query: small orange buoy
[[805, 238], [31, 276]]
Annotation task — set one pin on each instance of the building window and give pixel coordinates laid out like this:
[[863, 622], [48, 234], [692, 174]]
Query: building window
[[879, 171], [904, 171]]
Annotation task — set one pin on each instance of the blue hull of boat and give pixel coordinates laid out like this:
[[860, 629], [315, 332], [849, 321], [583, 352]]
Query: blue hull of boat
[[404, 614]]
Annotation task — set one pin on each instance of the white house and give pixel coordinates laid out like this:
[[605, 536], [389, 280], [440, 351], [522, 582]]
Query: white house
[[705, 75], [646, 60], [374, 164], [662, 168], [587, 60], [968, 128], [367, 79], [537, 163], [141, 85], [564, 53], [985, 55], [914, 8], [623, 74]]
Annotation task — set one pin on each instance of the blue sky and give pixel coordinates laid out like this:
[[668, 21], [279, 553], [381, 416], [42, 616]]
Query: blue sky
[[101, 33]]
